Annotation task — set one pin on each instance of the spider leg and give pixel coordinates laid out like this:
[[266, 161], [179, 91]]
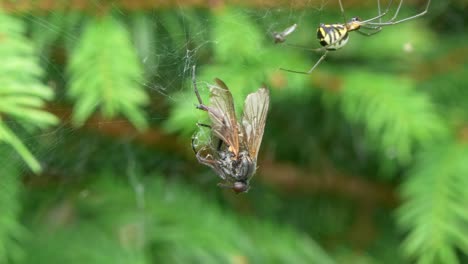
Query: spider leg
[[373, 30], [397, 11], [304, 47], [368, 34], [381, 14], [311, 69], [342, 11], [392, 20], [380, 11], [371, 27]]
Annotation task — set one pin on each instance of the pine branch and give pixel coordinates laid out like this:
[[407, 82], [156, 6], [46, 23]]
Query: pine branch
[[434, 212], [56, 27], [11, 230], [288, 177], [105, 73], [397, 118], [169, 222], [21, 94], [83, 243], [144, 36]]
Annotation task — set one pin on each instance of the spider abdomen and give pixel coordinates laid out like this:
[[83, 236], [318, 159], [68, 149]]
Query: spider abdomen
[[332, 36]]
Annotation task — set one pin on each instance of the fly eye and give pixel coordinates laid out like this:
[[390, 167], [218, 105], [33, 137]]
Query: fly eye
[[355, 19], [240, 187]]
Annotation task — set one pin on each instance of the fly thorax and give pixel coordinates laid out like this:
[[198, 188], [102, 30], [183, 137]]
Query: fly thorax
[[245, 167], [226, 163]]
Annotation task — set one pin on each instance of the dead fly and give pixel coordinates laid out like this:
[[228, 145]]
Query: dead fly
[[233, 153], [280, 37]]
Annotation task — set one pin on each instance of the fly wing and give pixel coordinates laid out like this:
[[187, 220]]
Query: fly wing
[[253, 120], [223, 115]]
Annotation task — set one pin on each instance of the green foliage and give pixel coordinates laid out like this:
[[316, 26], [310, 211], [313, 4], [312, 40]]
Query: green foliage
[[112, 222], [105, 73], [84, 244], [434, 211], [243, 39], [143, 33], [12, 231], [397, 118], [22, 95], [297, 249], [221, 238], [450, 93], [388, 103], [51, 29]]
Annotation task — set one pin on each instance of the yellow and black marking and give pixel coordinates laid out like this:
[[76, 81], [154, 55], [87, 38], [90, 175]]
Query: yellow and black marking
[[332, 36]]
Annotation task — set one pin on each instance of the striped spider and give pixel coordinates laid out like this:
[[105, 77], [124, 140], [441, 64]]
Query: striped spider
[[335, 36]]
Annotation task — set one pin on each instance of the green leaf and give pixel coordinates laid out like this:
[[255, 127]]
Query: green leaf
[[9, 137], [21, 92], [143, 32], [105, 73], [397, 118], [202, 232], [234, 41], [434, 209], [11, 230]]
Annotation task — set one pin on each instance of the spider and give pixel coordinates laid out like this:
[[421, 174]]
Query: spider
[[335, 36]]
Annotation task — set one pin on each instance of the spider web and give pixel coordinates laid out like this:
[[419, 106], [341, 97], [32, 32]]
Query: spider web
[[177, 59], [72, 154], [166, 82], [173, 60]]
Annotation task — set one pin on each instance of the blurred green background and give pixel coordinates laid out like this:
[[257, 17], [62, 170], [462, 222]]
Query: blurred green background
[[363, 161]]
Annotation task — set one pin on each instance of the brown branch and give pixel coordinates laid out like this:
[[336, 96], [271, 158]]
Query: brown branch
[[281, 175], [451, 61], [326, 180], [22, 6], [121, 128]]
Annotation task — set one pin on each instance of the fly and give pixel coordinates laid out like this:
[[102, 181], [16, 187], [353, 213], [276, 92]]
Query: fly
[[280, 37], [234, 156]]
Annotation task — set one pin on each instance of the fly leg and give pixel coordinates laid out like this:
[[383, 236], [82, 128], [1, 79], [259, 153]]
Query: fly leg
[[194, 137], [220, 142], [200, 105]]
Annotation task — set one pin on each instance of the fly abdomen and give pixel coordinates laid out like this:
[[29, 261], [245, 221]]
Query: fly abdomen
[[332, 36]]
